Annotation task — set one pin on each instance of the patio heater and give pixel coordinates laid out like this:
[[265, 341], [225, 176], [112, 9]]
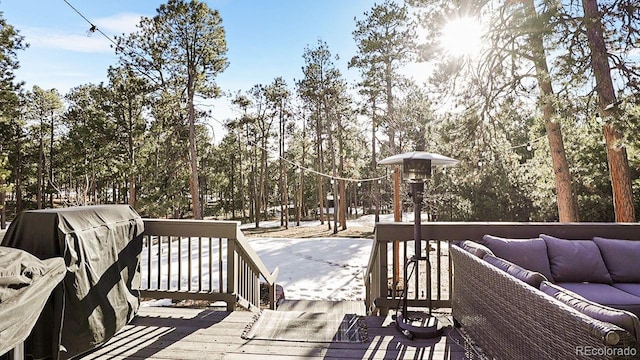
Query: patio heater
[[416, 168]]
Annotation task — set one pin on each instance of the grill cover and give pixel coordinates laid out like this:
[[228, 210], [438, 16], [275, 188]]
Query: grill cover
[[101, 246], [25, 285]]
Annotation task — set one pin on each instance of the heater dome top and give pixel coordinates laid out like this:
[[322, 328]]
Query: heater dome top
[[436, 159]]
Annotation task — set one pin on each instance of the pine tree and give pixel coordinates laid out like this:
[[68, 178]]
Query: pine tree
[[386, 41], [10, 43], [182, 50], [513, 53]]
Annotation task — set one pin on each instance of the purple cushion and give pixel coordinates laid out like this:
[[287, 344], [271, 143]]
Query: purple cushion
[[531, 254], [606, 295], [476, 249], [621, 257], [621, 318], [576, 261], [530, 277], [631, 288]]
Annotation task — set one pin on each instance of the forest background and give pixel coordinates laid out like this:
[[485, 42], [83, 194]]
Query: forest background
[[537, 99]]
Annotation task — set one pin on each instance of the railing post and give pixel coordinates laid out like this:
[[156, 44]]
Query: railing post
[[383, 286], [232, 273], [367, 291], [272, 296], [244, 268], [18, 352]]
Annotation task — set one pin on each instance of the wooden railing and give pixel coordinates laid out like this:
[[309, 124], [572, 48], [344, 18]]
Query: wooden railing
[[380, 293], [202, 260]]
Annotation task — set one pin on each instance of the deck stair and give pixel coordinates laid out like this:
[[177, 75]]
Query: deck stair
[[324, 306], [311, 321]]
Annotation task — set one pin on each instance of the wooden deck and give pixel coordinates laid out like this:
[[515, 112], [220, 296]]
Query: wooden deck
[[187, 333], [326, 306]]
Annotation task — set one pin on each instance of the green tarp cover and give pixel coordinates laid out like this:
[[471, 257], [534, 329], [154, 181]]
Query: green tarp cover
[[101, 247], [25, 285]]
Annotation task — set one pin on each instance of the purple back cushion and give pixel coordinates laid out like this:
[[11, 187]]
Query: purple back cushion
[[530, 277], [621, 318], [576, 261], [530, 254], [621, 257], [476, 249]]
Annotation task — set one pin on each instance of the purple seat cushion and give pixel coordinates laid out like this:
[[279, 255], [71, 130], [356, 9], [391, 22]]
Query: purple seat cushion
[[606, 295], [631, 288], [621, 257], [476, 249], [530, 277], [531, 254], [619, 317], [576, 261]]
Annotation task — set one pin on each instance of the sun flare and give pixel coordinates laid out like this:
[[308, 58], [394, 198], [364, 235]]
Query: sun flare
[[462, 36]]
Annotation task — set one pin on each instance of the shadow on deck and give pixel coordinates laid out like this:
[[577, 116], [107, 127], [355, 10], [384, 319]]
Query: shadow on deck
[[187, 333]]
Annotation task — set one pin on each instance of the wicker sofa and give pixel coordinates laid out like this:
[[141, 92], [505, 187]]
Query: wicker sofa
[[534, 298]]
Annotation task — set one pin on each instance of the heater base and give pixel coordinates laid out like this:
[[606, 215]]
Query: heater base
[[418, 325]]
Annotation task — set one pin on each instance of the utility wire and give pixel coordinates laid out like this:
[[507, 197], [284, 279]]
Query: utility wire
[[94, 28], [299, 166]]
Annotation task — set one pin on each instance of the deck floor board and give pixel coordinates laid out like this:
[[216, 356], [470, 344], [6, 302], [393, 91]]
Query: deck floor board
[[185, 333]]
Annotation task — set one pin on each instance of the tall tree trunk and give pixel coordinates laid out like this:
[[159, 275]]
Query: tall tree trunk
[[375, 191], [3, 208], [282, 182], [255, 180], [321, 197], [390, 113], [263, 176], [194, 185], [616, 150], [50, 182], [567, 206], [243, 203], [94, 185], [334, 180], [40, 170], [233, 187], [301, 186], [285, 181], [132, 159], [18, 170], [132, 191], [342, 190]]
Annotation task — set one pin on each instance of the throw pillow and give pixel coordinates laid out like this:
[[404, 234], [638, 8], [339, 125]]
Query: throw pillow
[[576, 261], [621, 258], [621, 318], [530, 277], [476, 249], [531, 254]]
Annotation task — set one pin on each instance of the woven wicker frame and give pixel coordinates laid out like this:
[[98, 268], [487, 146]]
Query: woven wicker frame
[[509, 319]]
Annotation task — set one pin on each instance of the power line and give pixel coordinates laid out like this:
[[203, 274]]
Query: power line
[[94, 28], [302, 167]]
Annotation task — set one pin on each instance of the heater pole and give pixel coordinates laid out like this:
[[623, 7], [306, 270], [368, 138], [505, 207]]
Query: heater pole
[[416, 167], [397, 217], [417, 190]]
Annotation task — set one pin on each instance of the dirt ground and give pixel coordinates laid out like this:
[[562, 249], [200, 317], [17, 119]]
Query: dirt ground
[[354, 230]]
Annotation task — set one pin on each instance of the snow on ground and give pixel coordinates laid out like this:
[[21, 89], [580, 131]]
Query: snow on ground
[[320, 268], [365, 220], [329, 268], [317, 268]]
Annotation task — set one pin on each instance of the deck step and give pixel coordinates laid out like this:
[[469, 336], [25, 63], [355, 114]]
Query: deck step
[[324, 306]]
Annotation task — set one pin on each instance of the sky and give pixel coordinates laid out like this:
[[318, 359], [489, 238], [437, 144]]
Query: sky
[[265, 39]]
